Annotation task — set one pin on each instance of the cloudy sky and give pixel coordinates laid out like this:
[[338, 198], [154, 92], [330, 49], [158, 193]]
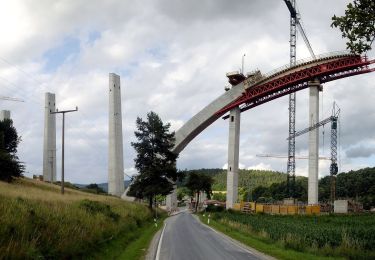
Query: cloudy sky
[[172, 57]]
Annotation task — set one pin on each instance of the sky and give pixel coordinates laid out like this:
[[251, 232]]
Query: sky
[[172, 57]]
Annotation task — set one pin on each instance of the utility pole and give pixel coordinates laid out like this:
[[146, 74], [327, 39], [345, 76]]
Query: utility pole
[[63, 143]]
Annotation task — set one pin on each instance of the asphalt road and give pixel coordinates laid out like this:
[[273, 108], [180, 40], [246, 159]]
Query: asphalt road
[[185, 238]]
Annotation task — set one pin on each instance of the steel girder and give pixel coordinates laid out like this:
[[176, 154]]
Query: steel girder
[[261, 93]]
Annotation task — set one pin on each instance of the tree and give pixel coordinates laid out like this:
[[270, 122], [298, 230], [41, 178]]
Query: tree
[[198, 182], [357, 25], [9, 139], [95, 188], [155, 161], [10, 167]]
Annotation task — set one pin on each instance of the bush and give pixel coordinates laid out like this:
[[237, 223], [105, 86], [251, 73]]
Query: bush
[[213, 208]]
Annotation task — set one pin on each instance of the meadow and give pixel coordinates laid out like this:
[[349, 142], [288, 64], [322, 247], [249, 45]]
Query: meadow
[[36, 221], [348, 236]]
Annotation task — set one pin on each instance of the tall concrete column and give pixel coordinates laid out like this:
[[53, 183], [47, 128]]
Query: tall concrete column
[[4, 114], [233, 154], [314, 88], [49, 149], [115, 151], [171, 199]]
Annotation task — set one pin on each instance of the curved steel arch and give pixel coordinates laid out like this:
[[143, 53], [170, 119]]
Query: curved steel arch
[[255, 91]]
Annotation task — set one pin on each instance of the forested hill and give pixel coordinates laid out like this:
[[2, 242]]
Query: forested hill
[[247, 178], [357, 185]]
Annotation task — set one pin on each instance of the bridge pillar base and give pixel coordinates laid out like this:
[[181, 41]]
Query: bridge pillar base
[[233, 154], [171, 200], [314, 87]]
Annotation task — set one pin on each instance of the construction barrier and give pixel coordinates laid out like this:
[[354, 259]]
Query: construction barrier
[[292, 210], [253, 207], [258, 208], [283, 209], [267, 209], [275, 209], [312, 210], [237, 206]]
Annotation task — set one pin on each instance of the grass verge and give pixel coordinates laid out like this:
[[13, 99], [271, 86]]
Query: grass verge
[[136, 249], [264, 245], [36, 221]]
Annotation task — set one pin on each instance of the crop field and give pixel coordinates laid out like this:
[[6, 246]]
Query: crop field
[[350, 236]]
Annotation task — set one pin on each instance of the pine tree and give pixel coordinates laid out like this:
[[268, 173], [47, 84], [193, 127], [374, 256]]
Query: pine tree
[[155, 161]]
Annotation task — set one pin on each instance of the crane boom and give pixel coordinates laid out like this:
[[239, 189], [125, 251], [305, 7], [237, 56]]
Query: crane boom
[[294, 14], [306, 40], [308, 129], [11, 99], [285, 156]]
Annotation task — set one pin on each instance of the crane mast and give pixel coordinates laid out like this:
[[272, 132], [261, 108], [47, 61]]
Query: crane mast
[[294, 23], [333, 119], [291, 166]]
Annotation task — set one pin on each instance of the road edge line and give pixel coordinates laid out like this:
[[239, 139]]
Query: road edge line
[[238, 243], [159, 244]]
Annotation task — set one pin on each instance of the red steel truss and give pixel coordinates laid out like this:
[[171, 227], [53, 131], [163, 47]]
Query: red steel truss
[[298, 80]]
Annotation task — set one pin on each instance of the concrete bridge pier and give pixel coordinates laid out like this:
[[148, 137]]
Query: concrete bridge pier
[[49, 144], [115, 148], [4, 114], [233, 154], [314, 88]]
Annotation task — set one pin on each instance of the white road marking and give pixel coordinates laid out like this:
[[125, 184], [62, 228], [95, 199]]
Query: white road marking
[[160, 241]]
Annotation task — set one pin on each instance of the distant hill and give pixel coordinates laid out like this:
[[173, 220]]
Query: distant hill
[[358, 185], [104, 186], [247, 178]]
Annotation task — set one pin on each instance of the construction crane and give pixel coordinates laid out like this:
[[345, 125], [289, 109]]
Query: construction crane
[[294, 22], [11, 99], [297, 23], [333, 119], [278, 156]]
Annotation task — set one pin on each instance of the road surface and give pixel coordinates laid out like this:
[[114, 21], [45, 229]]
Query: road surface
[[185, 238]]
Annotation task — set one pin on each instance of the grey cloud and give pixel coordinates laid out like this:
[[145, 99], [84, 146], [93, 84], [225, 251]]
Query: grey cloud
[[360, 151], [199, 42], [193, 11]]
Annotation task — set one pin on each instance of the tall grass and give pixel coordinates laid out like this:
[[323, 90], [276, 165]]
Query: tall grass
[[38, 222], [351, 236]]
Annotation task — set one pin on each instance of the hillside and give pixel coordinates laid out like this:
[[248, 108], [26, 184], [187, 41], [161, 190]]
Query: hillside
[[358, 185], [36, 221], [103, 186], [247, 178]]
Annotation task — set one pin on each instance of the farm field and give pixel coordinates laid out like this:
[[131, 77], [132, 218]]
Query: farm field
[[347, 236]]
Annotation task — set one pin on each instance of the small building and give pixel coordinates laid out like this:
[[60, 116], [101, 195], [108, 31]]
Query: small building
[[340, 206]]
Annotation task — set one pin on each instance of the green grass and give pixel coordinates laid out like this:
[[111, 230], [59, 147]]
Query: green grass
[[261, 244], [286, 237], [36, 221], [136, 249]]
